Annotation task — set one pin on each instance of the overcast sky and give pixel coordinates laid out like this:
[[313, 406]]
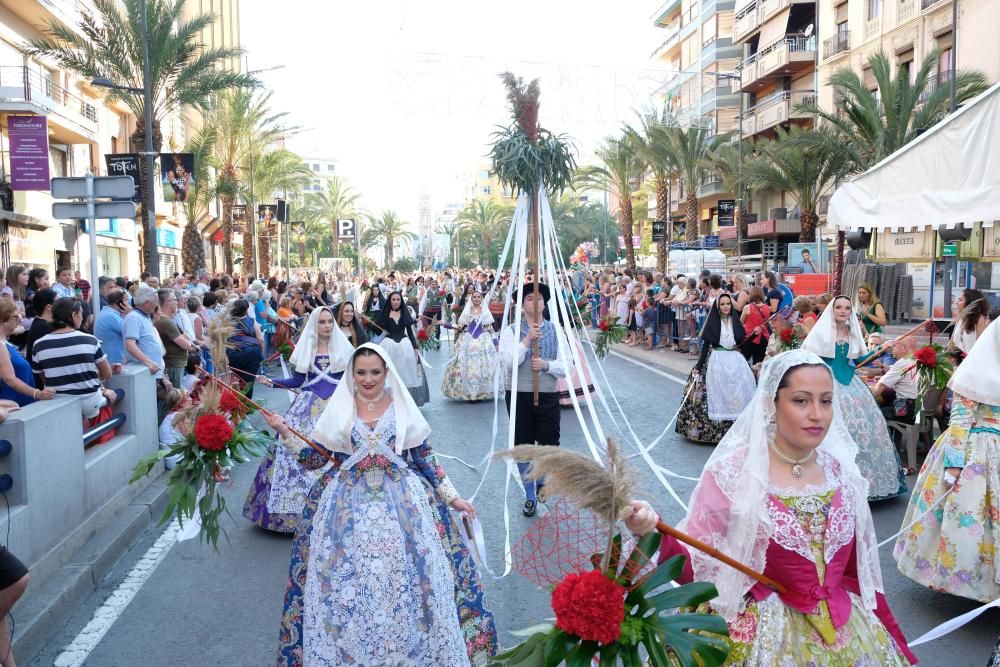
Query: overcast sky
[[404, 94]]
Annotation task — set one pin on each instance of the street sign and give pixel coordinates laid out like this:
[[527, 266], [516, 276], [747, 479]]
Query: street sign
[[102, 209], [346, 229], [112, 187], [949, 250]]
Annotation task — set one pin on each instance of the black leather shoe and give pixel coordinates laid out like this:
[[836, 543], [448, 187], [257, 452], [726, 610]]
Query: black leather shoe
[[529, 508]]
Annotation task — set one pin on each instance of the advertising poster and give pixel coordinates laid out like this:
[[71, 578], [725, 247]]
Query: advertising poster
[[239, 218], [177, 176], [727, 212], [808, 257], [29, 152], [267, 218], [125, 164]]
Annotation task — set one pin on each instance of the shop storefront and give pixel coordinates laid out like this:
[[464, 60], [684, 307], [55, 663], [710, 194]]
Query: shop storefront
[[168, 240]]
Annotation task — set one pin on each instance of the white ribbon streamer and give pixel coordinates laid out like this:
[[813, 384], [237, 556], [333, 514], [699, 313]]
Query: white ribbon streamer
[[953, 624], [917, 520]]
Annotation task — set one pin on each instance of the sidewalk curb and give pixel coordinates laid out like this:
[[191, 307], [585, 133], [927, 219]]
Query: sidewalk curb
[[676, 364], [40, 613]]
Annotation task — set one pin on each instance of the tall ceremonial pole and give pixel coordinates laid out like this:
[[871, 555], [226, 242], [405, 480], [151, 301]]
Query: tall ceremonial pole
[[533, 255]]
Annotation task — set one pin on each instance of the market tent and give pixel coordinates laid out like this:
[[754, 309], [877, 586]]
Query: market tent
[[948, 176]]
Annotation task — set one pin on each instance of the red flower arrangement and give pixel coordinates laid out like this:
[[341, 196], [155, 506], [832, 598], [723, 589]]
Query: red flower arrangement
[[791, 337], [423, 336], [590, 606], [926, 356], [212, 431], [229, 403], [787, 336], [934, 368], [602, 325]]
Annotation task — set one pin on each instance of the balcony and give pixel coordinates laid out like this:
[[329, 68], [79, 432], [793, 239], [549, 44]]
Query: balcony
[[927, 4], [711, 185], [791, 55], [673, 39], [40, 12], [72, 119], [775, 110], [905, 10], [935, 81], [873, 28], [663, 13], [746, 22], [839, 43], [769, 8]]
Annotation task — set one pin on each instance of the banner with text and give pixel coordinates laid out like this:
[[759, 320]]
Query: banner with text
[[29, 152], [125, 164]]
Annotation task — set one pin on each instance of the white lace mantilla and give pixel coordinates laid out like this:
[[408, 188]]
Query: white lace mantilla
[[380, 589]]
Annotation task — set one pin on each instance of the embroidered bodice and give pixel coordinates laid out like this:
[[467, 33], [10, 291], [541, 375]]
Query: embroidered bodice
[[843, 369], [318, 379]]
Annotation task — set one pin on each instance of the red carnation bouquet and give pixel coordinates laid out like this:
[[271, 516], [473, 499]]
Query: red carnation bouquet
[[791, 338], [428, 341], [210, 442], [934, 367], [610, 332]]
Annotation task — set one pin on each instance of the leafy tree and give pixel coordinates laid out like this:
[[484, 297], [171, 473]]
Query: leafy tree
[[182, 72], [385, 231], [652, 141], [620, 174], [484, 219], [690, 148], [405, 264], [196, 206], [324, 208], [806, 171]]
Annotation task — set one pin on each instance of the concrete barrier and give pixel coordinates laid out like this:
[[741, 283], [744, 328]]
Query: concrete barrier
[[62, 494]]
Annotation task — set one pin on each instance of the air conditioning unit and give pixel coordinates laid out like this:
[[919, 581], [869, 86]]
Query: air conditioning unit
[[777, 213]]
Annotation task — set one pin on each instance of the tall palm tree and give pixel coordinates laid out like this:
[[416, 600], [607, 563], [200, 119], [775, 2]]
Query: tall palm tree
[[788, 163], [652, 140], [201, 146], [690, 148], [182, 72], [483, 218], [451, 229], [338, 201], [244, 125], [385, 230], [620, 174], [726, 160], [277, 173]]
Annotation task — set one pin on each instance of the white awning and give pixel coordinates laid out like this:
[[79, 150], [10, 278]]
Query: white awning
[[948, 176]]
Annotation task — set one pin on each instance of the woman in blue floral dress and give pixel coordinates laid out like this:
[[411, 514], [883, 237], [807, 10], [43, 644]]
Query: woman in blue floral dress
[[379, 574]]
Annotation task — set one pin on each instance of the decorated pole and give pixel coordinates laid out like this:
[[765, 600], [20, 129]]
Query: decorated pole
[[533, 245]]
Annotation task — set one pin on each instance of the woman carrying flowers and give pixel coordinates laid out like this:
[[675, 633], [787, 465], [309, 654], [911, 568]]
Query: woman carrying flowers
[[955, 545]]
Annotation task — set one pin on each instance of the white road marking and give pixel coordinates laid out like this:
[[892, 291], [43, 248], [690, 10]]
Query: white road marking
[[80, 648], [653, 369]]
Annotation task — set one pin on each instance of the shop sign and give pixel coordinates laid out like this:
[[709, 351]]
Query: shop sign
[[762, 228], [991, 241], [727, 212], [919, 245], [28, 138], [166, 238]]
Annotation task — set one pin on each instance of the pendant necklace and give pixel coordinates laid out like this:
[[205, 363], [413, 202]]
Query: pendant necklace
[[795, 463], [371, 403]]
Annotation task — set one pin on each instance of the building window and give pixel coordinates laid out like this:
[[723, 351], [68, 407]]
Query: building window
[[330, 167], [315, 167], [945, 65], [486, 190], [484, 174], [874, 7], [57, 158]]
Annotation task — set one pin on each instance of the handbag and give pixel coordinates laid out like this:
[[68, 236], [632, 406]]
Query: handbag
[[421, 393]]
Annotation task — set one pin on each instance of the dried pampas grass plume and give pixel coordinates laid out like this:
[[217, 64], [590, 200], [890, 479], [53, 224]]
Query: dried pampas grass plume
[[604, 490], [523, 100], [219, 331]]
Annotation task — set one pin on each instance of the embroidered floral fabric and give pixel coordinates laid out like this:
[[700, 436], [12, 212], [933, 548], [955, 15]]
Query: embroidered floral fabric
[[693, 421], [956, 547], [378, 574], [468, 376]]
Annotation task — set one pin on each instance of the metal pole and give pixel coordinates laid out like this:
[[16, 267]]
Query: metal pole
[[252, 224], [150, 200], [954, 52], [739, 185], [95, 296]]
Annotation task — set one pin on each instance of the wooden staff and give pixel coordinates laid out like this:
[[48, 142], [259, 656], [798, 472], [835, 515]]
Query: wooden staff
[[719, 556], [254, 378], [882, 348], [369, 321], [247, 401], [533, 250]]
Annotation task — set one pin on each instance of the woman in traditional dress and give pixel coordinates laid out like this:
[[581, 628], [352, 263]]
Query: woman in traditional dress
[[400, 341], [349, 324], [714, 398], [955, 545], [838, 339], [379, 574], [279, 490], [469, 374], [782, 493]]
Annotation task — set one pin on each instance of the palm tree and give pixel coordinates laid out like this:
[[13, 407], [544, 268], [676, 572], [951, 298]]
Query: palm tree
[[314, 238], [451, 229], [196, 206], [726, 160], [385, 230], [279, 172], [652, 140], [621, 175], [873, 125], [483, 218], [108, 44], [690, 148], [338, 201], [807, 172], [244, 125]]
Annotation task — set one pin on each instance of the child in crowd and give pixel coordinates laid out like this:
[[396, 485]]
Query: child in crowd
[[633, 336], [650, 318]]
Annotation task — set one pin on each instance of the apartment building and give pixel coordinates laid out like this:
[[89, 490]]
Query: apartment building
[[697, 53]]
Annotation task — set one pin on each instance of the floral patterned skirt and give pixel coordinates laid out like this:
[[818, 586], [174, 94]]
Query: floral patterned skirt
[[278, 492], [468, 376], [693, 421], [956, 547], [877, 459], [770, 634], [380, 576]]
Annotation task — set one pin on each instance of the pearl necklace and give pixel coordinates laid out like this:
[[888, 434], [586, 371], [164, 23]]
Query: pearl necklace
[[795, 463], [371, 403]]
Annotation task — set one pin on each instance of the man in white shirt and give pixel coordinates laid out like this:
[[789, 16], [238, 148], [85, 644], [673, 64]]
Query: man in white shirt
[[898, 389]]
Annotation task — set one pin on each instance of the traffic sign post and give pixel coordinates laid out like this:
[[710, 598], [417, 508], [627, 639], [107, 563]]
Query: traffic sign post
[[949, 250], [347, 231], [90, 188]]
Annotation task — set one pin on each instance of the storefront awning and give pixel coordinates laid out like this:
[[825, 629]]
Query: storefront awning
[[948, 176]]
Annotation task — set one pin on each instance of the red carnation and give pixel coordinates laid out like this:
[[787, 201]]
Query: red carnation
[[590, 606], [603, 325], [423, 336], [229, 403], [441, 293], [926, 356], [212, 431], [787, 335]]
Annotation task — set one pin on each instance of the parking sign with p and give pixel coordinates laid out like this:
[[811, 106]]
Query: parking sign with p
[[345, 229]]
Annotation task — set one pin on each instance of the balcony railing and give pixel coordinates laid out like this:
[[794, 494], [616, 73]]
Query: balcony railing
[[905, 10], [775, 109], [924, 4], [872, 28], [23, 83], [940, 80], [745, 21], [837, 44], [674, 31]]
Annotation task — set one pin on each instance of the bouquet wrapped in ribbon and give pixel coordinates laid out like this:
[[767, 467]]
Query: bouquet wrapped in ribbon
[[791, 338], [427, 341], [934, 367], [211, 441], [610, 332]]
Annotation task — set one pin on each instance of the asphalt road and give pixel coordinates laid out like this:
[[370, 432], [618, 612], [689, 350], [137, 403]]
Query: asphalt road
[[204, 608]]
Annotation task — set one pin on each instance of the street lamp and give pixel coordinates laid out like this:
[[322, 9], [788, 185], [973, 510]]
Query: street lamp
[[147, 95]]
